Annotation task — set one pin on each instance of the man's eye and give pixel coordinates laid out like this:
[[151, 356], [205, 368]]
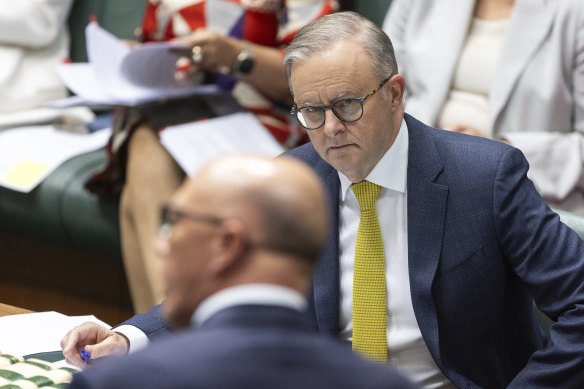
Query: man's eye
[[311, 109], [345, 102]]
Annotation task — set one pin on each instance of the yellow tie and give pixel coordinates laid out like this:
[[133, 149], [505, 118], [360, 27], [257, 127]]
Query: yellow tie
[[369, 289]]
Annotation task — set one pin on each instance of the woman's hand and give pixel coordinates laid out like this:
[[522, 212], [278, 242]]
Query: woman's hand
[[211, 51]]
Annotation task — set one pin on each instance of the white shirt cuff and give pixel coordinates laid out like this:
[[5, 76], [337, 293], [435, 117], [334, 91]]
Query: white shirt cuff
[[138, 339]]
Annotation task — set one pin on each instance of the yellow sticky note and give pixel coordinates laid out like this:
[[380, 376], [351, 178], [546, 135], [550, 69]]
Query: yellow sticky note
[[26, 174]]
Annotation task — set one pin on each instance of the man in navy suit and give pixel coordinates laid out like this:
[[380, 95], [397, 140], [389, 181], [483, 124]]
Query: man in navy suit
[[239, 243], [469, 244]]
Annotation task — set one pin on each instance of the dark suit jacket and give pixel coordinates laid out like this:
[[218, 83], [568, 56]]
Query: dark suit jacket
[[481, 244], [249, 346]]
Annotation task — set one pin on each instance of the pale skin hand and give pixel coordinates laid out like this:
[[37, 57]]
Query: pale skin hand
[[219, 51], [98, 340], [473, 131], [219, 54], [468, 130]]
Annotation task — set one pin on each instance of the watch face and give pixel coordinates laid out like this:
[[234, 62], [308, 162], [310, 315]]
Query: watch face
[[246, 65]]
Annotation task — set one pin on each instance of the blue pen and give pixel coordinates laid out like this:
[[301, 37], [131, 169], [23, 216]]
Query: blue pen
[[85, 355]]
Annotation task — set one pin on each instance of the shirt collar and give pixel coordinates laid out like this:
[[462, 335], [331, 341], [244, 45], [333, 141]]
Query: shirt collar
[[257, 294], [391, 171]]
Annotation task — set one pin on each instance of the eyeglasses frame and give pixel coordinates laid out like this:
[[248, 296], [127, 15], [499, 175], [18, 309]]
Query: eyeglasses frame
[[295, 109], [166, 226]]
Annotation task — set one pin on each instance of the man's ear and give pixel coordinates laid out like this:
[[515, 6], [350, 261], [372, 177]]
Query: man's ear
[[232, 244], [396, 86]]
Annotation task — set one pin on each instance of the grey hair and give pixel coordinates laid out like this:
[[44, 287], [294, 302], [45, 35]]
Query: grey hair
[[324, 33]]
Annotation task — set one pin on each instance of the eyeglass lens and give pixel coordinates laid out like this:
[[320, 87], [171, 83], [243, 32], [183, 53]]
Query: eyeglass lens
[[347, 110]]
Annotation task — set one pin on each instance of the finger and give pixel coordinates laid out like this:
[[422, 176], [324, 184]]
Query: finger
[[75, 361], [197, 37], [114, 344], [197, 55], [69, 342]]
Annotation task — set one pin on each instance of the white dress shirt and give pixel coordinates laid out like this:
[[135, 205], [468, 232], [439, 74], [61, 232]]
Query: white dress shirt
[[407, 350], [256, 294]]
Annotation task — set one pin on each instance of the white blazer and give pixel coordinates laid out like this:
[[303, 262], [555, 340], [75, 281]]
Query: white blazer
[[33, 39], [537, 97]]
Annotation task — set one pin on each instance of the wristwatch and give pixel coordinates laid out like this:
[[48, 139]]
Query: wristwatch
[[244, 62]]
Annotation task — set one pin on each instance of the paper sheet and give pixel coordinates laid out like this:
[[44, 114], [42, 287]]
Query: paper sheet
[[193, 144], [119, 75], [37, 332], [29, 154]]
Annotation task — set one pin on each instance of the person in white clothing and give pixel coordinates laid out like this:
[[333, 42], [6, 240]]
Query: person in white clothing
[[506, 69], [34, 39]]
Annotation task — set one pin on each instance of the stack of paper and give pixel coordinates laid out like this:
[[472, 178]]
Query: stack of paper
[[117, 74]]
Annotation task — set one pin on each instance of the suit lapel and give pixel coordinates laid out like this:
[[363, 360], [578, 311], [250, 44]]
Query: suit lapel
[[529, 25], [326, 278], [426, 217]]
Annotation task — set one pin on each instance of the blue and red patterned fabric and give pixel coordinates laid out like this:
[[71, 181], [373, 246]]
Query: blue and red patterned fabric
[[271, 23]]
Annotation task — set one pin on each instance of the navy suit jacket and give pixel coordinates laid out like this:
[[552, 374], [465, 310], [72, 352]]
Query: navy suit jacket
[[481, 245], [248, 346]]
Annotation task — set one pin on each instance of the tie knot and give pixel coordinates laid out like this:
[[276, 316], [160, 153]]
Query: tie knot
[[366, 193]]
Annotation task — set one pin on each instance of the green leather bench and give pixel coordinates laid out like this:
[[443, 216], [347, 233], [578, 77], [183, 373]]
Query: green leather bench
[[60, 210]]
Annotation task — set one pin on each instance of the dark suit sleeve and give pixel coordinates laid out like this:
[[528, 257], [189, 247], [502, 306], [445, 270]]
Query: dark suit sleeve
[[152, 323], [548, 257]]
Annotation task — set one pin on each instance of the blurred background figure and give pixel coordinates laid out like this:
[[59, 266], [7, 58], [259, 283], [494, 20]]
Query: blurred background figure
[[34, 39], [512, 70], [237, 45]]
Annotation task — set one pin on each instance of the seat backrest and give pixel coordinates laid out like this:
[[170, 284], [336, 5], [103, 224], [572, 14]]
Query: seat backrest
[[572, 220], [120, 17], [374, 10]]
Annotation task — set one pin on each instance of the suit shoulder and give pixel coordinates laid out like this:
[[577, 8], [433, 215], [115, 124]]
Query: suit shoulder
[[307, 154]]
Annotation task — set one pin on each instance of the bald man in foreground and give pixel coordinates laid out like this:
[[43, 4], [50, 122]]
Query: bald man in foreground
[[240, 241]]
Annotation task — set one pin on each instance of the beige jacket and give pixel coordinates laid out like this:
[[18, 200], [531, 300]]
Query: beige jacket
[[537, 100]]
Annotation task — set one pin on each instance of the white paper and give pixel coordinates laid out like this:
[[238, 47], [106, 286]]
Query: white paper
[[38, 332], [29, 154], [44, 116], [194, 144], [119, 75]]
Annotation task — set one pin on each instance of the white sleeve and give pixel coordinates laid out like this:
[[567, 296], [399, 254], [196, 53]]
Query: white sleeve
[[557, 159], [394, 25], [32, 23], [138, 339]]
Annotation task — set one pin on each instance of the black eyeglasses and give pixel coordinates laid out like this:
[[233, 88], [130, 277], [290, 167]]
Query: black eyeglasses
[[169, 217], [347, 110]]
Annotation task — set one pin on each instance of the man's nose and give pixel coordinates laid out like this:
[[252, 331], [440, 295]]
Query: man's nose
[[332, 124]]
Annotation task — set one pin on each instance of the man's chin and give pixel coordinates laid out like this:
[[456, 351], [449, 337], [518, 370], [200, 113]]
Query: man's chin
[[176, 319]]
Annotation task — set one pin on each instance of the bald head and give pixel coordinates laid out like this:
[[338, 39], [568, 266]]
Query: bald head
[[241, 220], [280, 201]]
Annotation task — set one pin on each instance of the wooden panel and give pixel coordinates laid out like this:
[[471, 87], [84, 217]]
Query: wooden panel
[[7, 310], [42, 276]]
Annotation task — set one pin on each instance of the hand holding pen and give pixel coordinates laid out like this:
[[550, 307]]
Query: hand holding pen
[[90, 341]]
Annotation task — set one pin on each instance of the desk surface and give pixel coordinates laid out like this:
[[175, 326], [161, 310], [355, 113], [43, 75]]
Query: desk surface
[[6, 310]]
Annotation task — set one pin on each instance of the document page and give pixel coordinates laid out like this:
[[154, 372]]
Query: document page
[[29, 154], [38, 332], [119, 75], [193, 144]]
